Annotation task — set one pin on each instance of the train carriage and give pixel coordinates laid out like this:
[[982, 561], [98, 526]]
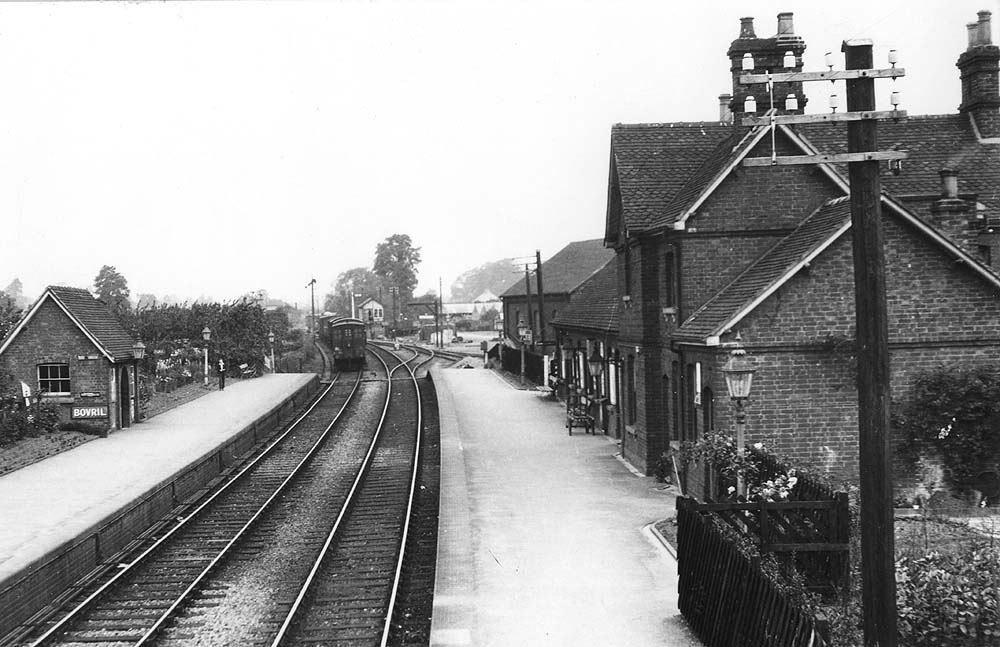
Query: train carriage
[[347, 339]]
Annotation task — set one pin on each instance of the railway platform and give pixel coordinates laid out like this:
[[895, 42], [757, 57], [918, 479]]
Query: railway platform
[[64, 514], [544, 538]]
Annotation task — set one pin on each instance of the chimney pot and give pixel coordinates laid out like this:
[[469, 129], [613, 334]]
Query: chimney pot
[[973, 28], [949, 183], [746, 28], [785, 27], [725, 112], [985, 37]]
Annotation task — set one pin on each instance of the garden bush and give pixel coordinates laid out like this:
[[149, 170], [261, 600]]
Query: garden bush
[[955, 411], [949, 599]]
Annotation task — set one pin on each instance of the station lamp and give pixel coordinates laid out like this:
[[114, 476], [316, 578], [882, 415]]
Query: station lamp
[[206, 334], [738, 371], [270, 339]]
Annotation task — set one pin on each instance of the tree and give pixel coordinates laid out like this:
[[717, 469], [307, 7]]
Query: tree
[[357, 280], [112, 289], [396, 261], [10, 313], [495, 276], [14, 291]]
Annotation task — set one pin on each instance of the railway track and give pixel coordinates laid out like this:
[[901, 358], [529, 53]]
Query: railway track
[[303, 546]]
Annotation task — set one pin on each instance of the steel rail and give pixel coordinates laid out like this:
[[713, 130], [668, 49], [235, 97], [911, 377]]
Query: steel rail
[[223, 553], [359, 477], [60, 625], [409, 506]]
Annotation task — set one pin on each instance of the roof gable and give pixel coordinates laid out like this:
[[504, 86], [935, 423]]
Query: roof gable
[[765, 275], [779, 264], [567, 269], [91, 316], [595, 305], [655, 161]]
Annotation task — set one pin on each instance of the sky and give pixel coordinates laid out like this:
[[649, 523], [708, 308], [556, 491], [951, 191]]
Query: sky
[[207, 150]]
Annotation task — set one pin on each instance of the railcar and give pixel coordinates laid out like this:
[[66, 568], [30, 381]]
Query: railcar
[[347, 339]]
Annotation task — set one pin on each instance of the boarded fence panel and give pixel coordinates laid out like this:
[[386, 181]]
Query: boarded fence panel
[[726, 598]]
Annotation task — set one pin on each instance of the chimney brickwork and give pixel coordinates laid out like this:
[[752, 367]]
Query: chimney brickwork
[[768, 55], [979, 67]]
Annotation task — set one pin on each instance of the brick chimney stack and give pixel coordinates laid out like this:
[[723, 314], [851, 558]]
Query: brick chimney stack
[[768, 55], [979, 67]]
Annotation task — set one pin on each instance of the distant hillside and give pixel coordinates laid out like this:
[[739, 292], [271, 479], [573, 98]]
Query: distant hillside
[[495, 276]]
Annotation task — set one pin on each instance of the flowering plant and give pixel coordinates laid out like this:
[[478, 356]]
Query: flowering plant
[[776, 489]]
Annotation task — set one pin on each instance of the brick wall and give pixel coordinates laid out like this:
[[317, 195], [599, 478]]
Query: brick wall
[[804, 395], [743, 218]]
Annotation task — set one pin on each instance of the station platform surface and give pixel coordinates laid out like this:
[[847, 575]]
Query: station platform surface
[[53, 501], [544, 537]]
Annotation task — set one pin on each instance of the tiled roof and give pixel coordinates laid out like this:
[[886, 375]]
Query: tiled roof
[[655, 161], [663, 168], [934, 142], [564, 272], [96, 319], [595, 305], [766, 271]]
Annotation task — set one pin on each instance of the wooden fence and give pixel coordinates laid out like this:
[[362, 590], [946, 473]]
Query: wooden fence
[[726, 598], [811, 537]]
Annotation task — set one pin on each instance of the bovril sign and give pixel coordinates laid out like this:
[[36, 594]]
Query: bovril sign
[[92, 411]]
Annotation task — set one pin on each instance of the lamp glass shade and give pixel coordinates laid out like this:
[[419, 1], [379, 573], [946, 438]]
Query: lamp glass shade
[[206, 333], [138, 350], [747, 62], [791, 102], [270, 337], [522, 328], [739, 374], [789, 59], [893, 57], [829, 60], [750, 105], [596, 363]]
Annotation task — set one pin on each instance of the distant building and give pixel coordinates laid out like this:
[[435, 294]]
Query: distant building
[[372, 313], [562, 275], [70, 351]]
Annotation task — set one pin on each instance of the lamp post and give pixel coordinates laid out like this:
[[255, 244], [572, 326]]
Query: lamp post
[[739, 374], [206, 334], [270, 339], [138, 352], [522, 333]]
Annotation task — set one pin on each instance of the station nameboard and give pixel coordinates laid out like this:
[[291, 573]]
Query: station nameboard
[[98, 411]]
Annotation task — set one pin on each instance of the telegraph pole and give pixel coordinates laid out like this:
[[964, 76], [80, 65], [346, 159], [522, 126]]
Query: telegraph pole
[[878, 585], [312, 289]]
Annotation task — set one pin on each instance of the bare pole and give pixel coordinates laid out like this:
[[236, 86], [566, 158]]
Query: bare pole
[[527, 291], [878, 587], [541, 298]]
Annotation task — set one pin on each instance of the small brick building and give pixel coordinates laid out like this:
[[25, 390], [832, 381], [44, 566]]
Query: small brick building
[[71, 350], [707, 248]]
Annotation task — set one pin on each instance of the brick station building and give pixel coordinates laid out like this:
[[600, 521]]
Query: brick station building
[[71, 351], [707, 249]]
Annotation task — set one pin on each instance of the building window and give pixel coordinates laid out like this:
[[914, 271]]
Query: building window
[[708, 409], [53, 379], [670, 279], [675, 372], [630, 417]]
